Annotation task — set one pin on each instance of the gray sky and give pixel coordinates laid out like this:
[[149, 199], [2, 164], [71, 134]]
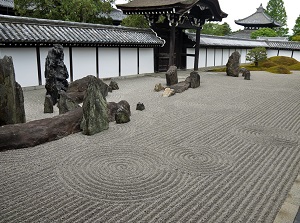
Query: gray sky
[[239, 9]]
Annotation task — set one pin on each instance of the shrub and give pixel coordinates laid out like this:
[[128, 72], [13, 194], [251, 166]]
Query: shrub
[[279, 70], [282, 60], [267, 64], [295, 66], [256, 55]]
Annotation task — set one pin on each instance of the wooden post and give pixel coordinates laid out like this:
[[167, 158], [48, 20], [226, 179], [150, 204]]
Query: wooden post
[[172, 45], [197, 46]]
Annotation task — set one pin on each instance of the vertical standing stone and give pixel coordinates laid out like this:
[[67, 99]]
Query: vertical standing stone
[[48, 104], [11, 95], [233, 65], [56, 73], [195, 79], [171, 76], [65, 103], [95, 117]]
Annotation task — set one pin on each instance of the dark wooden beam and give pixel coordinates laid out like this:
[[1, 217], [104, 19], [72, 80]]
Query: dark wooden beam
[[172, 45], [197, 49]]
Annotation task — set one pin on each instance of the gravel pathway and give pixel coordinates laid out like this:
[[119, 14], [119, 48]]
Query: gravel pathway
[[228, 151]]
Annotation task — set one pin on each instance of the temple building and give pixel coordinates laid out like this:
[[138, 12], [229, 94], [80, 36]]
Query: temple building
[[259, 19]]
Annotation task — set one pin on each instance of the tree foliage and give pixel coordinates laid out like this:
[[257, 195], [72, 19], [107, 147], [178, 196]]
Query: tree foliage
[[216, 29], [296, 29], [268, 32], [276, 10], [70, 10], [138, 21], [256, 55]]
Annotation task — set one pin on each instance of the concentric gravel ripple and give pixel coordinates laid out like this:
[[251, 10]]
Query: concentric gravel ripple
[[199, 160], [121, 176], [268, 135]]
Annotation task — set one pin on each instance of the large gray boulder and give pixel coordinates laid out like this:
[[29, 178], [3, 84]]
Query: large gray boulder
[[171, 76], [233, 64], [65, 103], [77, 89], [11, 95], [95, 117], [56, 73]]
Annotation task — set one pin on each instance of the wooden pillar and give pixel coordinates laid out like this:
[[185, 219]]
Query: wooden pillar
[[172, 45], [197, 49]]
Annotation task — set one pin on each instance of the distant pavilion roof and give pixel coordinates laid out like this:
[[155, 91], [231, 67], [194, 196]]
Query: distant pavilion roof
[[258, 19], [23, 31], [213, 12]]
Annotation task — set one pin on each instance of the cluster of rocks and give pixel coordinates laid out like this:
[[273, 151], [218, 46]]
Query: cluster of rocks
[[192, 81], [233, 66], [92, 117]]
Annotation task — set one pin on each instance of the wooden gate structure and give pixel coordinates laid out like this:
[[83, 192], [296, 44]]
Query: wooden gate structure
[[169, 19]]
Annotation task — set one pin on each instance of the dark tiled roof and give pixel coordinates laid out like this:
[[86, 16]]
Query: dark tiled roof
[[243, 34], [173, 6], [258, 19], [221, 41], [15, 29], [7, 3]]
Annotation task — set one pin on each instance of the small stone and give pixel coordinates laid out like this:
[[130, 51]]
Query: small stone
[[245, 73], [180, 87], [112, 108], [114, 85], [168, 92], [159, 87], [122, 115], [48, 104], [140, 106]]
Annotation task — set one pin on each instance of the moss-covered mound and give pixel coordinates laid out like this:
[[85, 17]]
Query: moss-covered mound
[[282, 60], [295, 66], [279, 70], [267, 64]]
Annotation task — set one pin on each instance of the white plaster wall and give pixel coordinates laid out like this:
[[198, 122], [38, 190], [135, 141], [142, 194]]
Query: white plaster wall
[[189, 59], [25, 65], [225, 56], [296, 55], [202, 57], [243, 56], [286, 53], [108, 62], [146, 60], [231, 51], [43, 55], [218, 60], [129, 61], [272, 53], [84, 62], [210, 57]]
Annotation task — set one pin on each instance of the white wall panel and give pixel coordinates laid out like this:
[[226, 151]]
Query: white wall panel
[[202, 57], [272, 53], [84, 62], [43, 55], [129, 61], [25, 65], [286, 53], [225, 56], [189, 59], [146, 60], [243, 56], [210, 57], [296, 55], [108, 62], [218, 59]]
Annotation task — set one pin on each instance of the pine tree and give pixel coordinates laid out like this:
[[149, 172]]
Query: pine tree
[[276, 10], [296, 29]]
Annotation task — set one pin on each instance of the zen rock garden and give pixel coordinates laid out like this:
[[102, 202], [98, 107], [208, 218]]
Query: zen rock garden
[[82, 104]]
